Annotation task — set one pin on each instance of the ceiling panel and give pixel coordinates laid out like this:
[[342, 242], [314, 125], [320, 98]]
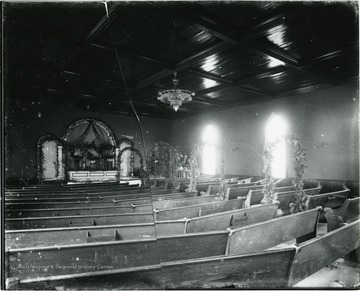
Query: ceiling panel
[[228, 53], [282, 82]]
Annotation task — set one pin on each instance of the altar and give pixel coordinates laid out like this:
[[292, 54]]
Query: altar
[[88, 152], [93, 176]]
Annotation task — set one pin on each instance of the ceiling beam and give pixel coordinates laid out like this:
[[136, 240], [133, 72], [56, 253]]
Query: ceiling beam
[[210, 90], [218, 47], [268, 49], [94, 33], [183, 64], [211, 76], [271, 71], [352, 48], [227, 82], [126, 52]]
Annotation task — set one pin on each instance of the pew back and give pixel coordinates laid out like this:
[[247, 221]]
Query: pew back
[[138, 253], [348, 211], [331, 199], [227, 219], [260, 236], [89, 209], [197, 210], [241, 191], [77, 220], [80, 235], [255, 196], [285, 198], [268, 269], [319, 252]]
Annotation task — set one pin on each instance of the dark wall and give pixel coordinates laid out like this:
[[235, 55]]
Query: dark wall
[[24, 127], [325, 121]]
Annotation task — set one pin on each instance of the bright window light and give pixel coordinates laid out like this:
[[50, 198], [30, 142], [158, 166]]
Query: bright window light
[[209, 154], [210, 135], [276, 129]]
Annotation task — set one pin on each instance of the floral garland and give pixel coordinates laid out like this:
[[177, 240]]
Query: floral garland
[[141, 172], [163, 160], [299, 158], [91, 151], [194, 168], [222, 189], [268, 190]]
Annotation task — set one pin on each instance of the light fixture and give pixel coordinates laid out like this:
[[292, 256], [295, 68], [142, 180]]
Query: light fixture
[[175, 97]]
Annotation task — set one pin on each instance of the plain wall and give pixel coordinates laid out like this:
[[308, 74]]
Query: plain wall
[[325, 121]]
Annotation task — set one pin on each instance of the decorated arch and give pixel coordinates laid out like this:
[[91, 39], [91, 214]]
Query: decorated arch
[[136, 162]]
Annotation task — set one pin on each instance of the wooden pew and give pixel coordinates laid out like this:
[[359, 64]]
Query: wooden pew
[[139, 253], [336, 218], [139, 217], [255, 196], [224, 220], [286, 198], [201, 186], [37, 205], [264, 235], [213, 190], [97, 210], [242, 190], [197, 210], [116, 209], [244, 271], [62, 190], [77, 220], [96, 197], [268, 269], [165, 204], [165, 276], [76, 235], [319, 252], [100, 202], [346, 212], [79, 195], [85, 234], [331, 199], [177, 198]]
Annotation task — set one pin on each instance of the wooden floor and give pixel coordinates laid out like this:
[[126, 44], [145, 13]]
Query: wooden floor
[[336, 275]]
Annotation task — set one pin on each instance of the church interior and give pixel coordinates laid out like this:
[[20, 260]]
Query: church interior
[[180, 145]]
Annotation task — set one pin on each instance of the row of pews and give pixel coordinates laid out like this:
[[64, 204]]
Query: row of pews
[[125, 237]]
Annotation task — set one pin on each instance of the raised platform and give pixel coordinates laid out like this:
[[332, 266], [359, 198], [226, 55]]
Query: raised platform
[[93, 176]]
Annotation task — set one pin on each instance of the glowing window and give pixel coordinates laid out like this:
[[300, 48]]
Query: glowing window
[[276, 130], [209, 153]]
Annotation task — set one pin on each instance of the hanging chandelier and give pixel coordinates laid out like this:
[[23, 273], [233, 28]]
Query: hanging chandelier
[[175, 97]]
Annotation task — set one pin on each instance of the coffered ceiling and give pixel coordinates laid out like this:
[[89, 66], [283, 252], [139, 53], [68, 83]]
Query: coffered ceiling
[[229, 53]]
